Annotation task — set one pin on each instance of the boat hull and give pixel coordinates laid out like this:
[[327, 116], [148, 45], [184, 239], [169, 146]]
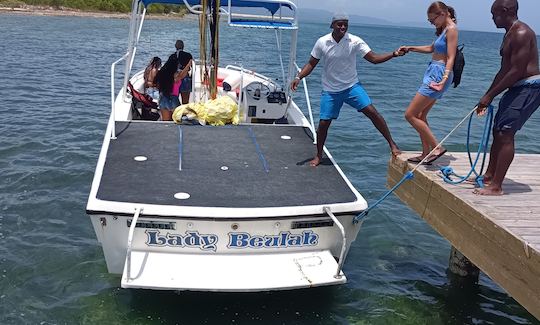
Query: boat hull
[[221, 237]]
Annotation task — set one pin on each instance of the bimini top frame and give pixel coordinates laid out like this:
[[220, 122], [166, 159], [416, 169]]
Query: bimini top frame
[[282, 13], [282, 16]]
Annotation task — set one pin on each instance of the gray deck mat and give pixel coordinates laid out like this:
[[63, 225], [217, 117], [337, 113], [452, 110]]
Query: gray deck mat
[[262, 169]]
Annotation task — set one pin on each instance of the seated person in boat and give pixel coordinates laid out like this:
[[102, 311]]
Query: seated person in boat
[[150, 73], [340, 83]]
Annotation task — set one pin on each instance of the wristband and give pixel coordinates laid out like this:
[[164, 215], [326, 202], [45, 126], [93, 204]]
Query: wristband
[[298, 78], [394, 54]]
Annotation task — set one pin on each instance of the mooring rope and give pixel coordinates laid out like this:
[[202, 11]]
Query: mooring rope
[[410, 174], [447, 171]]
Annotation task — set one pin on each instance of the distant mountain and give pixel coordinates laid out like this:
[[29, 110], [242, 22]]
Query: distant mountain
[[317, 16]]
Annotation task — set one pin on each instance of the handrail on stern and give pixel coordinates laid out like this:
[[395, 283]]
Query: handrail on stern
[[343, 244], [308, 102], [138, 211], [113, 130]]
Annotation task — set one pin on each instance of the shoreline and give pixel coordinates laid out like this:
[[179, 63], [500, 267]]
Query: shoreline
[[28, 10]]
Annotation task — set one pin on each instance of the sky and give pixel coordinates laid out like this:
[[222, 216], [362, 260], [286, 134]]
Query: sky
[[471, 14]]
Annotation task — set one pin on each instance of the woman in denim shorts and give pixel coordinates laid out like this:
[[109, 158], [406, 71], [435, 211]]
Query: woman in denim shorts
[[437, 77], [166, 78]]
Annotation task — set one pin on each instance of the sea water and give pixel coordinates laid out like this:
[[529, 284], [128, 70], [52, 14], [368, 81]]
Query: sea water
[[55, 105]]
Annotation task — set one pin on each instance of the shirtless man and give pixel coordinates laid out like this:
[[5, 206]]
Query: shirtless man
[[339, 50], [520, 75]]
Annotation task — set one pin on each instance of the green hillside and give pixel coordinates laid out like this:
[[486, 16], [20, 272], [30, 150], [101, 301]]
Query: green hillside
[[122, 6]]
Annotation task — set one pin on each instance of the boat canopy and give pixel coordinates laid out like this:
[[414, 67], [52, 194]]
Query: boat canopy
[[238, 17], [271, 5]]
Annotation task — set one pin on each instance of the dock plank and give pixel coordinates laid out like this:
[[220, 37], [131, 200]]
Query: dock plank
[[501, 235]]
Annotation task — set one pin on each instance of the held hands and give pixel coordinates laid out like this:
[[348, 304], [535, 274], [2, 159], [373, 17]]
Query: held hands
[[399, 52], [404, 49]]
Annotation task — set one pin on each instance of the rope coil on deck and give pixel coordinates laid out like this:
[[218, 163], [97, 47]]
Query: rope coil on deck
[[448, 170]]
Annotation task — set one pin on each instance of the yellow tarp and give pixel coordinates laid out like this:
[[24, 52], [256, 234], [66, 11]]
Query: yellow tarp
[[217, 112]]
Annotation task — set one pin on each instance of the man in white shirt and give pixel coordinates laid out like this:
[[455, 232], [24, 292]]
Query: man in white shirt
[[340, 81]]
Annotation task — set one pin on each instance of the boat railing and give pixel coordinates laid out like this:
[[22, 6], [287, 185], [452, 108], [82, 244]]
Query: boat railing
[[138, 15], [343, 242], [278, 41], [308, 103], [113, 94], [243, 96], [129, 247]]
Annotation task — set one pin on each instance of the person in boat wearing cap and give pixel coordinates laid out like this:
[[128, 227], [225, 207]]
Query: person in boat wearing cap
[[340, 83], [520, 75]]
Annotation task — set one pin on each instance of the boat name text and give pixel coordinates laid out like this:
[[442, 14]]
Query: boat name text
[[239, 240], [192, 239]]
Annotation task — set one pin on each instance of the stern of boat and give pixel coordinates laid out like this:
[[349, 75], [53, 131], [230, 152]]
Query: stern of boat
[[229, 255]]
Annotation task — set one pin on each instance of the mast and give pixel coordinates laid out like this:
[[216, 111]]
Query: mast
[[209, 18], [214, 47]]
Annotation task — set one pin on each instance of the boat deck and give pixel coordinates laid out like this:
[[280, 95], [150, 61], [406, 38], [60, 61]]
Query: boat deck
[[246, 166], [499, 234]]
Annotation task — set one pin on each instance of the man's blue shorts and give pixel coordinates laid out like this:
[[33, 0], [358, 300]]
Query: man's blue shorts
[[331, 102], [516, 106]]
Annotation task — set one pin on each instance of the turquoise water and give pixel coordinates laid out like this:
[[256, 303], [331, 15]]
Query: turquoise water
[[55, 106]]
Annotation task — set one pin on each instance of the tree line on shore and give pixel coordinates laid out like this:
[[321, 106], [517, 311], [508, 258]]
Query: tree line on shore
[[121, 6]]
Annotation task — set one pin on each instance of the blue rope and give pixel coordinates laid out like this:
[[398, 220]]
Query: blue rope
[[447, 172], [364, 213]]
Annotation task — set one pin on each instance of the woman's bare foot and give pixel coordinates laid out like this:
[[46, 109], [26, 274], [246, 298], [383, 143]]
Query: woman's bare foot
[[315, 162], [488, 191]]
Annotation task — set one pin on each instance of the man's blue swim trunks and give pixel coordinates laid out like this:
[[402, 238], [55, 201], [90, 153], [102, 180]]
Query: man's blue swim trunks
[[331, 102], [517, 105]]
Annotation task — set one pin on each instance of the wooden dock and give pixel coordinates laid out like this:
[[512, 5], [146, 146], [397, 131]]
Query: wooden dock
[[499, 234]]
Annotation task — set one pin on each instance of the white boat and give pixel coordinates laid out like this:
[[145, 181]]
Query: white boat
[[234, 208]]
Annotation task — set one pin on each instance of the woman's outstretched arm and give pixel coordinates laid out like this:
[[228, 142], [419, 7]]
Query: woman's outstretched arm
[[418, 49]]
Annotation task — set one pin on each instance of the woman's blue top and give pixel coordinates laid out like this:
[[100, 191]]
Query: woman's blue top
[[440, 46]]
